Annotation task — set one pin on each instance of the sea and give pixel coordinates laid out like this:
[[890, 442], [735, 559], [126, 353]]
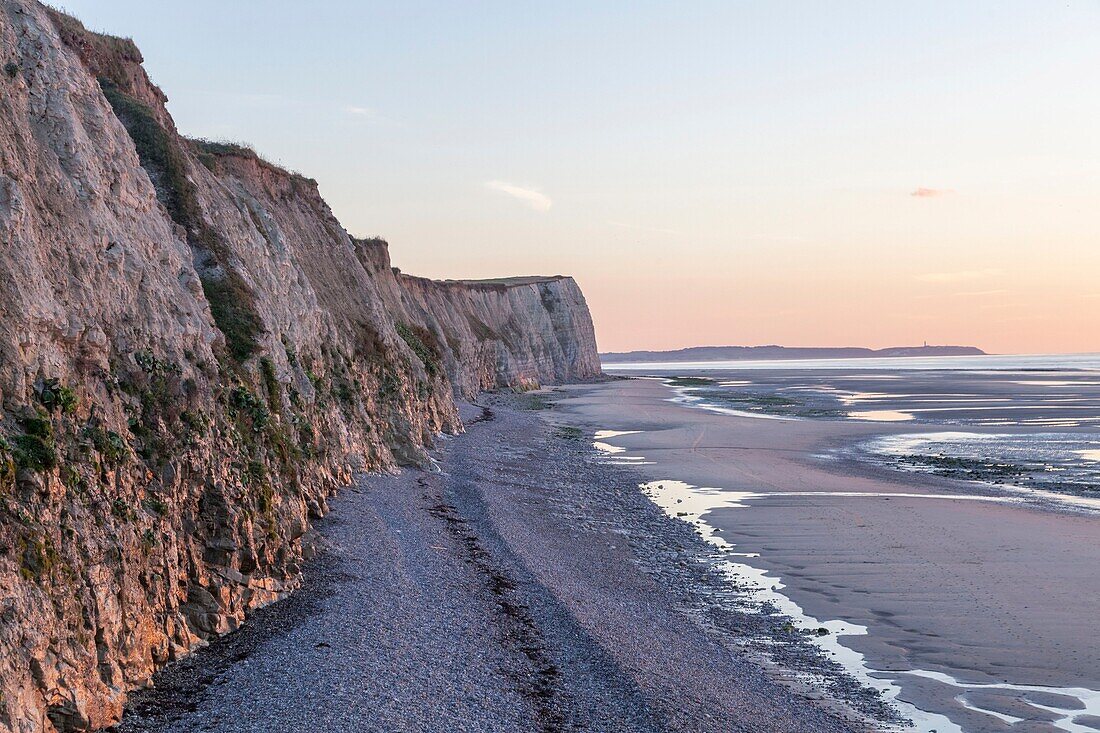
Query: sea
[[1028, 423]]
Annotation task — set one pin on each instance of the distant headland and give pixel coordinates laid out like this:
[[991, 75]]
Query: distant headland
[[730, 353]]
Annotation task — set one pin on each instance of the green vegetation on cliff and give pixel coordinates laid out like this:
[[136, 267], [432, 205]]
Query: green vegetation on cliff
[[232, 303]]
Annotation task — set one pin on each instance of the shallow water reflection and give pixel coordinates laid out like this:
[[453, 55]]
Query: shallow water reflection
[[881, 415]]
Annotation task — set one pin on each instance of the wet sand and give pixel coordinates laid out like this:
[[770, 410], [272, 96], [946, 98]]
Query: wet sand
[[985, 592]]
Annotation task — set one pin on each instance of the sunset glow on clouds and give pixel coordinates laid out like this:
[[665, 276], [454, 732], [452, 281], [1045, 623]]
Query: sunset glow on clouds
[[534, 199]]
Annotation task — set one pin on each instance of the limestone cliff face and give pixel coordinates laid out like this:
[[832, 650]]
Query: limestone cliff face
[[193, 355], [522, 331]]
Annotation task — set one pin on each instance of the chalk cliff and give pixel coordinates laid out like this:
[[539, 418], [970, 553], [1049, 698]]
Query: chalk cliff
[[194, 354], [514, 332]]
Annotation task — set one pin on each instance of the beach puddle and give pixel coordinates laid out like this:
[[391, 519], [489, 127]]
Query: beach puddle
[[702, 403], [855, 398], [615, 454], [1071, 709], [606, 434], [881, 415], [692, 504], [689, 503], [731, 398]]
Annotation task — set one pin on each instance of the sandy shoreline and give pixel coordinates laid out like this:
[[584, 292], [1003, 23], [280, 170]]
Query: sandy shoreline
[[529, 586], [985, 592]]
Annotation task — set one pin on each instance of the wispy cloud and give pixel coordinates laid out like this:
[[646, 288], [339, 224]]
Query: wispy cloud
[[643, 228], [957, 277], [930, 193], [535, 199], [365, 113]]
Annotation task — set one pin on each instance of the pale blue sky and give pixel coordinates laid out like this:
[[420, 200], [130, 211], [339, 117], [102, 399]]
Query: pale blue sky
[[711, 172]]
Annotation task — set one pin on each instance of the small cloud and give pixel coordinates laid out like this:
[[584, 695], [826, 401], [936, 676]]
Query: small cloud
[[535, 199], [930, 193], [365, 113], [956, 277]]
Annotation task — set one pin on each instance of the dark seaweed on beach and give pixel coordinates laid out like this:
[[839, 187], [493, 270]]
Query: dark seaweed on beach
[[1073, 488], [766, 403], [968, 468], [1032, 476], [690, 381]]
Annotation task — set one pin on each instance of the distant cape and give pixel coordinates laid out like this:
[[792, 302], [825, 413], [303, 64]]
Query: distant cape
[[732, 353]]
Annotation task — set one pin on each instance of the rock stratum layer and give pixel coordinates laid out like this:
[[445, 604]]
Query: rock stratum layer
[[194, 354]]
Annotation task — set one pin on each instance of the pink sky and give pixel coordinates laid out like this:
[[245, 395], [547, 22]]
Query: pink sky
[[857, 173]]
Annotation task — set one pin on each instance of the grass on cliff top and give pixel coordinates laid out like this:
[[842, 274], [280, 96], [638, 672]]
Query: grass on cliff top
[[105, 55], [209, 151], [511, 281], [77, 36], [227, 147], [232, 302]]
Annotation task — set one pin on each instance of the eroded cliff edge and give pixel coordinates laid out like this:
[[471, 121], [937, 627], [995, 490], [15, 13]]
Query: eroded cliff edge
[[194, 354]]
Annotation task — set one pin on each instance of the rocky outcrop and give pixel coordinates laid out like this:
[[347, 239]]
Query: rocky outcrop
[[522, 331], [193, 355]]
